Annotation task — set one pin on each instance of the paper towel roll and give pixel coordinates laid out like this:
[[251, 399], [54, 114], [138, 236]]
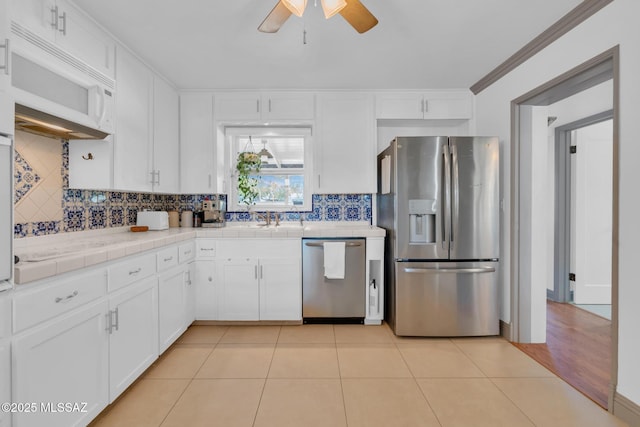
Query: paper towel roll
[[174, 219], [187, 219]]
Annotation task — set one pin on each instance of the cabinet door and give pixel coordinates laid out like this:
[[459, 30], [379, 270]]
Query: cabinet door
[[239, 296], [400, 105], [237, 106], [5, 52], [206, 290], [280, 289], [94, 174], [133, 341], [288, 106], [197, 140], [172, 303], [190, 294], [166, 138], [82, 38], [448, 105], [345, 154], [5, 380], [62, 361], [132, 160], [38, 16]]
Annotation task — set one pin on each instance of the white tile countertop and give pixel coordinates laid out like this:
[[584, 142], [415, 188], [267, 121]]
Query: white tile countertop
[[47, 256]]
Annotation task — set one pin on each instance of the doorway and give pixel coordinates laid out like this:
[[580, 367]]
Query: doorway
[[531, 228], [583, 214]]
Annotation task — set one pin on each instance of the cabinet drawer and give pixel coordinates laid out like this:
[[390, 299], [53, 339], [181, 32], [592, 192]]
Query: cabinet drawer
[[131, 270], [205, 248], [167, 258], [186, 252], [48, 301]]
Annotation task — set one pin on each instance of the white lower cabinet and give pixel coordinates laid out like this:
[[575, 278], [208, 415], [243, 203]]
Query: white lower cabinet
[[5, 380], [190, 310], [172, 303], [280, 289], [206, 292], [62, 367], [239, 293], [132, 322], [258, 286]]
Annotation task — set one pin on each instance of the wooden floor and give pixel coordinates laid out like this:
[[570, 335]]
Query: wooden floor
[[578, 349]]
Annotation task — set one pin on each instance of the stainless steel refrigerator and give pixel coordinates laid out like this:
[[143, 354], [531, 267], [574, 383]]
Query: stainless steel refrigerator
[[438, 199]]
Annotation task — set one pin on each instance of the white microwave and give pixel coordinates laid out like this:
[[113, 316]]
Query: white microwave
[[76, 98]]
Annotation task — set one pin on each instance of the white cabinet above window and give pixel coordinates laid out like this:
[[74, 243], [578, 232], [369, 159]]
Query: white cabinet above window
[[435, 105], [65, 26], [264, 106], [345, 156]]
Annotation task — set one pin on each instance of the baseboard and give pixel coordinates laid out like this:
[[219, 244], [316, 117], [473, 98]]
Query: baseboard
[[626, 410], [505, 330]]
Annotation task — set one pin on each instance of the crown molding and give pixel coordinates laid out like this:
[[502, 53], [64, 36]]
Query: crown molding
[[565, 24]]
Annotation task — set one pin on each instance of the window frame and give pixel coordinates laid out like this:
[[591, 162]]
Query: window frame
[[231, 135]]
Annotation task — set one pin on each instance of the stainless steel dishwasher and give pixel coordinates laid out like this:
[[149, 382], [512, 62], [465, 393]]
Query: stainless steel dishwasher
[[333, 300]]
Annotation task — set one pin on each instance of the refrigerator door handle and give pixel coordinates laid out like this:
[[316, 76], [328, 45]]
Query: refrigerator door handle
[[445, 215], [455, 196], [428, 270]]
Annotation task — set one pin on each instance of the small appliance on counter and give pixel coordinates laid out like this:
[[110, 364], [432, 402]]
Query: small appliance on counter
[[213, 214], [155, 220]]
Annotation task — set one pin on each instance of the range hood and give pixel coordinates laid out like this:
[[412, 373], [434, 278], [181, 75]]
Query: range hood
[[29, 120]]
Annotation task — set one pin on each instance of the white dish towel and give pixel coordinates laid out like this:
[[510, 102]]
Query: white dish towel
[[334, 260]]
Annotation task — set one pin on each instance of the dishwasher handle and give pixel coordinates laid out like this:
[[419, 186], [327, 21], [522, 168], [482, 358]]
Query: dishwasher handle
[[320, 245]]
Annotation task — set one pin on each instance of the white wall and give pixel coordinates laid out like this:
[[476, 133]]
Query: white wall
[[615, 24]]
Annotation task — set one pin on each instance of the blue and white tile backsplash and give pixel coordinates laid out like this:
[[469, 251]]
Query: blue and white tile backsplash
[[79, 210]]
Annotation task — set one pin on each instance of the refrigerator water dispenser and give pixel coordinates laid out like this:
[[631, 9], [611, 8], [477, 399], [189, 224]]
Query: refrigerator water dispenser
[[422, 221]]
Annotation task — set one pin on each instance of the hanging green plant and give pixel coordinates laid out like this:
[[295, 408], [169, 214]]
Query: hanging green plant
[[248, 166]]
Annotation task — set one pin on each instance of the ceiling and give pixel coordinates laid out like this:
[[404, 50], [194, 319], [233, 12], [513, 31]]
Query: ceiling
[[215, 44]]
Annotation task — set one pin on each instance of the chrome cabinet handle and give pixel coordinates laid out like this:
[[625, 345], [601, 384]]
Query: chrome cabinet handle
[[136, 271], [422, 106], [261, 271], [63, 17], [117, 313], [257, 105], [168, 259], [5, 67], [187, 252], [255, 271], [67, 298], [54, 17], [269, 104]]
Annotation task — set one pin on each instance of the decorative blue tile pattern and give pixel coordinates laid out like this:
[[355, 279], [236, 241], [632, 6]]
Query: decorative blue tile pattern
[[86, 209], [24, 177]]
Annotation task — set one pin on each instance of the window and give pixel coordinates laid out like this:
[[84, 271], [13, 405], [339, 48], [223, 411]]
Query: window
[[283, 183]]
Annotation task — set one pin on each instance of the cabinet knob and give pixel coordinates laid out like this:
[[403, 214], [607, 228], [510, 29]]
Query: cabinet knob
[[210, 279]]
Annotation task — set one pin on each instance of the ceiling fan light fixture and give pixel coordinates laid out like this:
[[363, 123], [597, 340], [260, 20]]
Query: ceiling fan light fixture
[[331, 7], [296, 7]]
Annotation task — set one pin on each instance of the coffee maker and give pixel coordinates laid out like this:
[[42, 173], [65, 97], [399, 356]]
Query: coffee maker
[[213, 212]]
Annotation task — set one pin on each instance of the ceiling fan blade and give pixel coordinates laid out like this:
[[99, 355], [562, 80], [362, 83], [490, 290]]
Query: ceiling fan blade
[[274, 20], [358, 16]]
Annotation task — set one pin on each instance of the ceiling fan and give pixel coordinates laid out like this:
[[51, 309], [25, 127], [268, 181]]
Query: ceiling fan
[[352, 11]]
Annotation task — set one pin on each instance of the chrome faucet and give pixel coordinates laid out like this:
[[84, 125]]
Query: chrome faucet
[[265, 216]]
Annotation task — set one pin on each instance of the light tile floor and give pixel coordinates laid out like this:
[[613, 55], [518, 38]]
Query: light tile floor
[[346, 375]]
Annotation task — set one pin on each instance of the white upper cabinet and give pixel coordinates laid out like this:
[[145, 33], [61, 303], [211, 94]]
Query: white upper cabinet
[[5, 46], [166, 138], [197, 175], [264, 106], [425, 105], [61, 23], [146, 152], [345, 154], [132, 160]]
